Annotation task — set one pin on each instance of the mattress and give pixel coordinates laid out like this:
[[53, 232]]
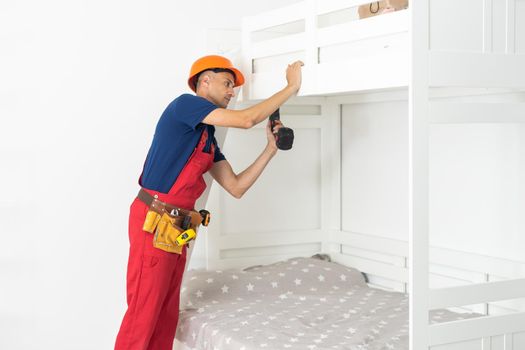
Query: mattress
[[301, 303]]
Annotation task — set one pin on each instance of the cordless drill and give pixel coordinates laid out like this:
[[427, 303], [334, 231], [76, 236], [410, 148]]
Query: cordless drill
[[284, 136]]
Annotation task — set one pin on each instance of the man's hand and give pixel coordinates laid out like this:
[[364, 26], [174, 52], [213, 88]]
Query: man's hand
[[272, 145], [293, 75]]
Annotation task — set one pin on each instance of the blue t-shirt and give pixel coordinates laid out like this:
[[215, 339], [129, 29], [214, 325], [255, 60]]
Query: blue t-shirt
[[177, 134]]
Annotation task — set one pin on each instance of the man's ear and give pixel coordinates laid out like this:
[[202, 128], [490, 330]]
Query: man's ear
[[206, 79]]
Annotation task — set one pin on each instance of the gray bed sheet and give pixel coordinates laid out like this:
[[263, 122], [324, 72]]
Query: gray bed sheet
[[301, 303]]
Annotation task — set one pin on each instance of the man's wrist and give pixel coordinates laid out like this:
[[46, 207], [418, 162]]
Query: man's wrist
[[271, 150], [292, 88]]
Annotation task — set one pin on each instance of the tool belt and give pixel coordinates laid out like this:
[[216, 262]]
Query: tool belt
[[172, 227]]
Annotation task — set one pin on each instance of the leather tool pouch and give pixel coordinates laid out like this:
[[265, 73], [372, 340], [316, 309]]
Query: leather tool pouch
[[166, 234], [153, 216]]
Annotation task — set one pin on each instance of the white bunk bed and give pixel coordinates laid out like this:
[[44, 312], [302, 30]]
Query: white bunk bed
[[438, 63]]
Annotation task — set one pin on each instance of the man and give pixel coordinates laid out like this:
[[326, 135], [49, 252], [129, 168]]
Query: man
[[183, 149]]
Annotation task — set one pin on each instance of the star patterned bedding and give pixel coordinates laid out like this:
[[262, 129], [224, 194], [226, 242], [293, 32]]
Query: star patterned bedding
[[301, 303]]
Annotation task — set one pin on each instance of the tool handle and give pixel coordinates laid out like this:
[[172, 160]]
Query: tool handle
[[284, 137], [273, 117]]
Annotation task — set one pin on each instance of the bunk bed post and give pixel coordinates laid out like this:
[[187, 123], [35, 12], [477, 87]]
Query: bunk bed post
[[246, 57], [330, 176], [310, 29], [418, 175], [510, 27]]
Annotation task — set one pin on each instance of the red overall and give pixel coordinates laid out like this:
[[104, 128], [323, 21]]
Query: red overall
[[154, 276]]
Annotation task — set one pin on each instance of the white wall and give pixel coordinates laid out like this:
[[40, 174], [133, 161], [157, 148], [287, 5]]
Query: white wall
[[82, 86]]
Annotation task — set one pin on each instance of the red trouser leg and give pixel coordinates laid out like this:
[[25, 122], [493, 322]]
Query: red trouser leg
[[152, 273], [164, 333]]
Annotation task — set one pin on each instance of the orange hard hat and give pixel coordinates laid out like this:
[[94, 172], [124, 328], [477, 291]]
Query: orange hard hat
[[210, 62]]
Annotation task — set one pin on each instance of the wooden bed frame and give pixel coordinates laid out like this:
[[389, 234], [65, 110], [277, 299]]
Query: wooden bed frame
[[399, 57]]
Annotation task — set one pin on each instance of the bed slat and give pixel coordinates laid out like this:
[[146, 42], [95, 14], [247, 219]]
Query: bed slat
[[395, 273], [279, 46], [372, 243], [336, 5], [476, 293], [292, 13], [396, 22], [456, 331], [237, 241]]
